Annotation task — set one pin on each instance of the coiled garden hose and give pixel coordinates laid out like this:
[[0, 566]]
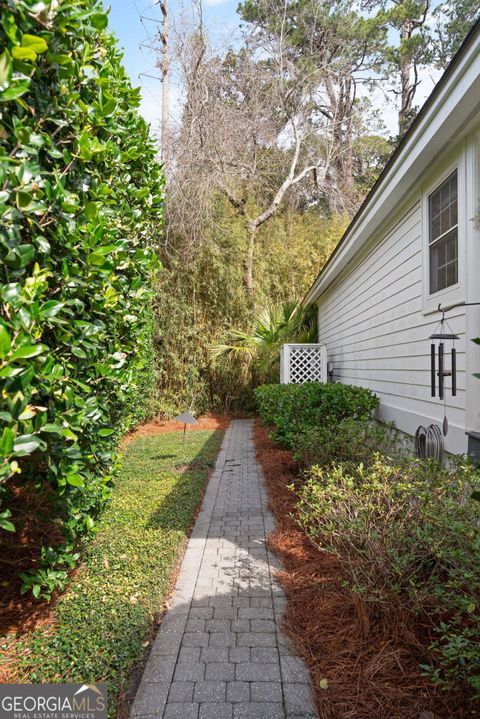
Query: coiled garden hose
[[429, 442]]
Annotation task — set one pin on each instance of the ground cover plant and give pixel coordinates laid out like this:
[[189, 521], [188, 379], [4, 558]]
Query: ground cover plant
[[100, 626], [80, 208]]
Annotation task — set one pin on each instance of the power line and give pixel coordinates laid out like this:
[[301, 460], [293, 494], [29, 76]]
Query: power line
[[159, 42]]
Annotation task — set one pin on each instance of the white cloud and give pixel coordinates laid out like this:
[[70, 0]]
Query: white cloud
[[215, 2]]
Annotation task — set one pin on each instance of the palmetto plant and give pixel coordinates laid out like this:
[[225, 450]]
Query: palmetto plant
[[259, 350]]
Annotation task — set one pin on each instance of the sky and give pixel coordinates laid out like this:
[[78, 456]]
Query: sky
[[134, 22], [133, 33]]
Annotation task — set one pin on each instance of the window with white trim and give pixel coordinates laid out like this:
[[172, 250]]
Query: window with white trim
[[443, 235]]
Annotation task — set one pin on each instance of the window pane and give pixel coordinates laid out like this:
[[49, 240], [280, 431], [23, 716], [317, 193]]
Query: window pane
[[435, 204], [451, 250], [454, 213], [445, 195], [444, 262], [445, 221], [435, 227], [453, 186], [451, 274], [443, 211]]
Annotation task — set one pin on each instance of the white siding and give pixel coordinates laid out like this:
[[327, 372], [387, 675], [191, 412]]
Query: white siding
[[372, 320]]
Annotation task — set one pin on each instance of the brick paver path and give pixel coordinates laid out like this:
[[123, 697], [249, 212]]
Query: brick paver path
[[220, 652]]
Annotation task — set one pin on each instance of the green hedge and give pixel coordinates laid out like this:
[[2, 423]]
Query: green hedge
[[293, 408], [80, 208]]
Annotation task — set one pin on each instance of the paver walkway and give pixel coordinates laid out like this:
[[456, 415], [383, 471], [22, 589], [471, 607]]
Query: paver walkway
[[220, 652]]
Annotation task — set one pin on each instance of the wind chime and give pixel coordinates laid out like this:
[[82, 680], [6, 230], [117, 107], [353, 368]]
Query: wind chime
[[443, 333]]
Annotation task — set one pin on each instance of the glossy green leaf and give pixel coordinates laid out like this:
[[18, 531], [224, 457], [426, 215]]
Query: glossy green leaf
[[99, 20], [26, 444], [5, 70], [51, 308], [25, 254], [24, 53], [5, 522], [28, 351], [35, 43], [24, 199], [91, 210], [10, 27], [61, 59], [51, 427], [5, 342], [75, 480], [7, 439], [16, 89]]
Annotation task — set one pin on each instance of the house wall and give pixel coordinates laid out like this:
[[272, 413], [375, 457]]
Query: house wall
[[377, 316]]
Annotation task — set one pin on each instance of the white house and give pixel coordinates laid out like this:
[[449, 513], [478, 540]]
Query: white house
[[413, 244]]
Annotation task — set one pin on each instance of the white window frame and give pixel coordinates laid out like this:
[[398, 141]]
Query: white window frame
[[454, 293]]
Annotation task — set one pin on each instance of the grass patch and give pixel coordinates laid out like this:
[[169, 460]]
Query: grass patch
[[102, 621]]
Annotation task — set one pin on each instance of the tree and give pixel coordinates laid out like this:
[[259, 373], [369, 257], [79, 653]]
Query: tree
[[239, 111], [421, 35], [273, 120], [345, 46], [453, 19], [274, 150], [409, 53]]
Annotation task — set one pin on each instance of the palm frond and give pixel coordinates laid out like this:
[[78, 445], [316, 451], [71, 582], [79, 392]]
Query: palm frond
[[274, 326]]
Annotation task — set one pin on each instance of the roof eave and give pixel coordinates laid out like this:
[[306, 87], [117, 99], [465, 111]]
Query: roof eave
[[453, 101]]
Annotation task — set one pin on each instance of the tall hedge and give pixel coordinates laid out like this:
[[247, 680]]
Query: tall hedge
[[80, 211]]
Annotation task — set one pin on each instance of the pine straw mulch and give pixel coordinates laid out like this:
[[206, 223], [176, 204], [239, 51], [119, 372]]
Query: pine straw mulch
[[19, 551], [369, 660], [160, 426]]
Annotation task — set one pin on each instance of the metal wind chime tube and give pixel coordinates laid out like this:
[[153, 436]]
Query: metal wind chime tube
[[429, 440], [443, 334]]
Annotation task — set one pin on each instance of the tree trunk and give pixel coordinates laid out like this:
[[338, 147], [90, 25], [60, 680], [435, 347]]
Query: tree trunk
[[405, 83], [248, 263]]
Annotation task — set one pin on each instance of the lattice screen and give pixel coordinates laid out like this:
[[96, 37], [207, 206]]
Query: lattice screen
[[303, 363]]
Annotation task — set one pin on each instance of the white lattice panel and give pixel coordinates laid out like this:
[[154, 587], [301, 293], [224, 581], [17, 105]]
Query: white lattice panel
[[303, 363]]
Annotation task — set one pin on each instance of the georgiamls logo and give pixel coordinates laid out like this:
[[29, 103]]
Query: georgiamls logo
[[53, 701]]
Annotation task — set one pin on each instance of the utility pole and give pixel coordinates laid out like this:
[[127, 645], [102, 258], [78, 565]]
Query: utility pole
[[164, 66]]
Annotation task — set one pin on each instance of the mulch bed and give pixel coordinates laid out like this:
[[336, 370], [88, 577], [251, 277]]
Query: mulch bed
[[364, 663], [160, 426]]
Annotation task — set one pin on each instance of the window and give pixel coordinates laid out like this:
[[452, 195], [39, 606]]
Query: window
[[443, 240]]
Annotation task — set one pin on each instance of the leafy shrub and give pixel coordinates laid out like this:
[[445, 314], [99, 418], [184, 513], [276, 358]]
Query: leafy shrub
[[80, 203], [408, 529], [293, 408], [351, 440]]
